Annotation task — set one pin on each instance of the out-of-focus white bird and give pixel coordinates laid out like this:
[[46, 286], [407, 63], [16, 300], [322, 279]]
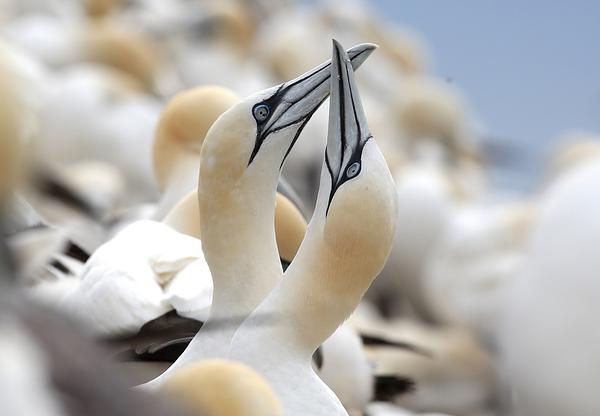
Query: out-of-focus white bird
[[132, 279], [473, 263], [429, 182], [549, 345]]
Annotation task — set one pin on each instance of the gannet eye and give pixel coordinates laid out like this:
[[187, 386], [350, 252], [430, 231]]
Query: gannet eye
[[353, 170], [261, 112]]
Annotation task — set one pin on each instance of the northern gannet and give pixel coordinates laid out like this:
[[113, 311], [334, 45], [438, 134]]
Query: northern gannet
[[347, 243], [239, 171]]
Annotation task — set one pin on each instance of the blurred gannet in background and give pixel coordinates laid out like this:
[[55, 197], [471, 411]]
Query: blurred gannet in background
[[481, 251], [573, 149], [549, 343], [447, 371], [221, 387], [347, 243], [178, 140], [430, 182], [241, 160], [48, 368], [150, 268], [472, 264]]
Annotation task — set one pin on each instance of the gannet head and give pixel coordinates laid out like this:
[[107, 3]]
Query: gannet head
[[221, 387], [260, 130], [183, 125], [356, 207], [240, 166]]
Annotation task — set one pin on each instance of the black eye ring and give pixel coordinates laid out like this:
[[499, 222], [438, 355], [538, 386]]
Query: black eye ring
[[261, 112], [353, 170]]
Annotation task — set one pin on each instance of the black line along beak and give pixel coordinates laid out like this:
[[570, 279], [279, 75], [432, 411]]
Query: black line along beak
[[348, 130], [295, 101]]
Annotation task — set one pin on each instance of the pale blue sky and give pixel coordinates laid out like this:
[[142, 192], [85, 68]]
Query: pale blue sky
[[531, 69]]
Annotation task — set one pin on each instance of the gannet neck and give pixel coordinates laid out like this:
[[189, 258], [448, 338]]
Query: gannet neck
[[238, 206], [185, 216], [339, 258]]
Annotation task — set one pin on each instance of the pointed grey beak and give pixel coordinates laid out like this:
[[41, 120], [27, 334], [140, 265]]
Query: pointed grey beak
[[295, 101], [348, 130]]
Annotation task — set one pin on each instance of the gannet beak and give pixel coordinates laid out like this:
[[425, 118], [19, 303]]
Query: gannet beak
[[348, 130], [295, 101]]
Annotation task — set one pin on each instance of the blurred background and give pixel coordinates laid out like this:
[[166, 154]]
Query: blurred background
[[487, 114], [527, 69]]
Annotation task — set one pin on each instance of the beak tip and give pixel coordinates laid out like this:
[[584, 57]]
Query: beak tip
[[336, 44]]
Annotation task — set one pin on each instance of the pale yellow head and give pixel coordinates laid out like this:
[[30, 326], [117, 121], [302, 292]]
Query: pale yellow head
[[183, 126], [222, 388], [428, 108], [127, 50]]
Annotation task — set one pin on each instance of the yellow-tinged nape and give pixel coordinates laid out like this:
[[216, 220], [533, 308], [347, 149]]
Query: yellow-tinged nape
[[222, 388], [290, 225], [183, 126]]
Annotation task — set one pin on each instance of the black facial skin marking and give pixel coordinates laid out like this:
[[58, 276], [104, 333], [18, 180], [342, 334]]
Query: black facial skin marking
[[318, 358], [372, 340], [388, 387], [265, 127], [340, 175]]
